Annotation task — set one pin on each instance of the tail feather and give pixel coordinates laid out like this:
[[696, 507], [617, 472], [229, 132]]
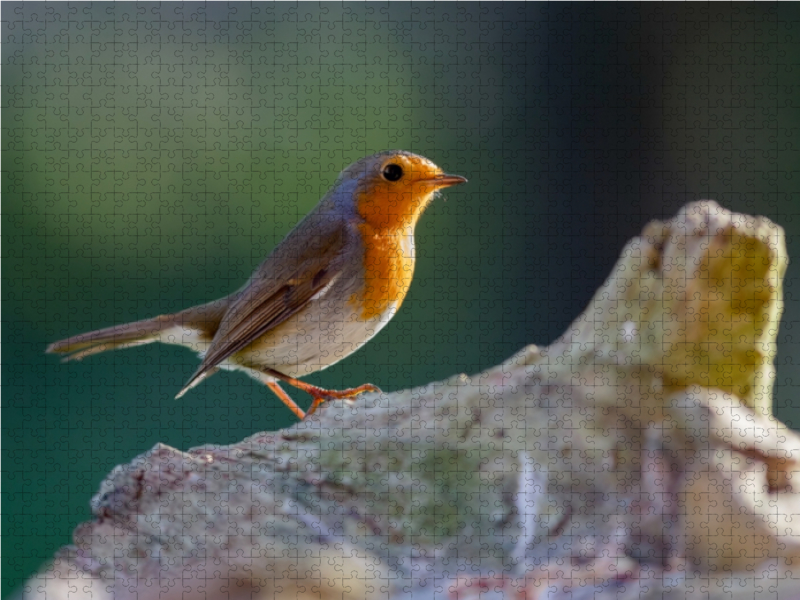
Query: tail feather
[[204, 319], [199, 323], [80, 346]]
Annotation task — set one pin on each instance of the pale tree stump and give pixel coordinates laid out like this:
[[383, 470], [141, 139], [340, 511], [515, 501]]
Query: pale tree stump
[[633, 458]]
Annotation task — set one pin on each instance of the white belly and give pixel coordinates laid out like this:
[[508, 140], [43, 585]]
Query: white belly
[[313, 340], [308, 342]]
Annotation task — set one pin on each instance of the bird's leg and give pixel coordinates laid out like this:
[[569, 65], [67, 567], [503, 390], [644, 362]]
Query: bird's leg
[[319, 394], [280, 393]]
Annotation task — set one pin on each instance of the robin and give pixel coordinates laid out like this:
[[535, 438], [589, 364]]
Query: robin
[[331, 285]]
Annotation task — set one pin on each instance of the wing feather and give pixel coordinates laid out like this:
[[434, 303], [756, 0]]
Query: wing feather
[[280, 288]]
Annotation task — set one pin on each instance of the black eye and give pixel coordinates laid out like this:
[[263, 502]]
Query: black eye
[[392, 172]]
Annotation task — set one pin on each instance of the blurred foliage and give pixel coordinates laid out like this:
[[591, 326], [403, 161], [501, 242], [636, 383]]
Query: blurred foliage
[[154, 153]]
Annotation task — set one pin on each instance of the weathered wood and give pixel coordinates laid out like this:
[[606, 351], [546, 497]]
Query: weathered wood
[[633, 458]]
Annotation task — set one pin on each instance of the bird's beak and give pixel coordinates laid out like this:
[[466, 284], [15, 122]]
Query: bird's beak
[[443, 181]]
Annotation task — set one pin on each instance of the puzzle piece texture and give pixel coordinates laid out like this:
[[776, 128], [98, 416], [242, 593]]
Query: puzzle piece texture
[[155, 153]]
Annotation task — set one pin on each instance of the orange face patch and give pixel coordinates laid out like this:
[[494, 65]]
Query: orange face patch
[[397, 204]]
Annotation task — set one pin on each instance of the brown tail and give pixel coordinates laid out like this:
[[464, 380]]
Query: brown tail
[[204, 318], [112, 338]]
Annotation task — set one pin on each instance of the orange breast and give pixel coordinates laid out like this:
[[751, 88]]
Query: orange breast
[[388, 270]]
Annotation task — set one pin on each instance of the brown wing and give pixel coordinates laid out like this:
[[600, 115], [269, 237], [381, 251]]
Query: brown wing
[[300, 267]]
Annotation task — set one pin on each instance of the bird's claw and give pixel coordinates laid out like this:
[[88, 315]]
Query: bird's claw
[[323, 396]]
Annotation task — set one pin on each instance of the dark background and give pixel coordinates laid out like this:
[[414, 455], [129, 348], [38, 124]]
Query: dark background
[[153, 154]]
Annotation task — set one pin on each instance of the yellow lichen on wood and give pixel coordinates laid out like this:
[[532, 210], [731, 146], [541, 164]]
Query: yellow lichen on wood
[[697, 299]]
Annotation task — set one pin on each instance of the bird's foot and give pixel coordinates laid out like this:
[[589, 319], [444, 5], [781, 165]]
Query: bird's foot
[[321, 395]]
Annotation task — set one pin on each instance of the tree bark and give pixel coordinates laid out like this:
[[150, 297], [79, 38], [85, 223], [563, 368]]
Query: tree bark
[[635, 457]]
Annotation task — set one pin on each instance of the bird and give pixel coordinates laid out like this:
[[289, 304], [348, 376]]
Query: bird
[[330, 286]]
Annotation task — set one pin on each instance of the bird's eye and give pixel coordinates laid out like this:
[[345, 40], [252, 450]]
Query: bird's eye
[[392, 172]]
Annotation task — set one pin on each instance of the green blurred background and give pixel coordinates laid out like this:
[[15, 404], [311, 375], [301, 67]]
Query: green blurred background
[[153, 154]]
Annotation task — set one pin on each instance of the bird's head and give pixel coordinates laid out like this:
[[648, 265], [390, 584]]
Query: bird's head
[[394, 187]]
